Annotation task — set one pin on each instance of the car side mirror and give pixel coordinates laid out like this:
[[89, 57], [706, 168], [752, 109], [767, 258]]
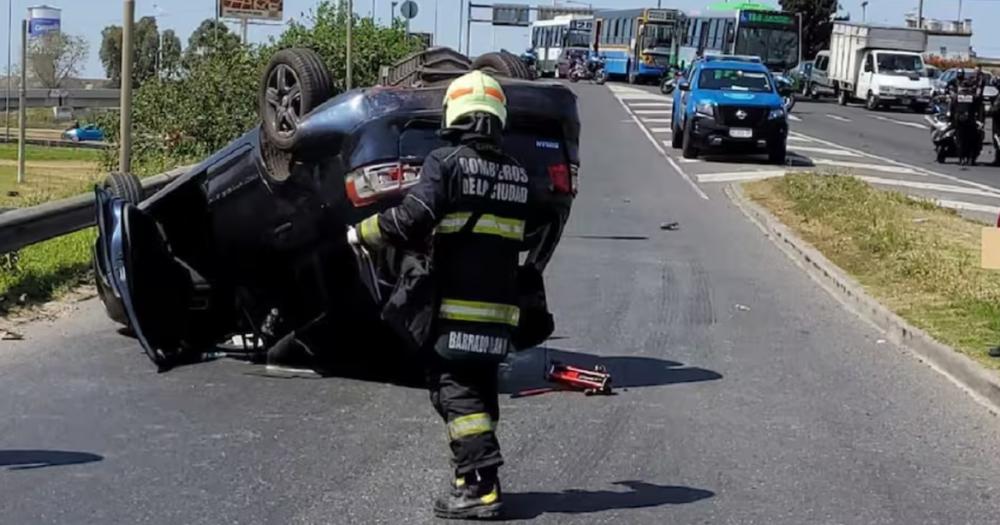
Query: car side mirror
[[684, 85]]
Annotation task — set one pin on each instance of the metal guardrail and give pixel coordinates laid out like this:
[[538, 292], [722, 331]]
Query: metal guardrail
[[58, 143], [25, 226]]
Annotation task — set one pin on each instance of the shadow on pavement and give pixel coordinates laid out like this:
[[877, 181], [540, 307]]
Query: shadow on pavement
[[527, 370], [33, 459], [530, 505]]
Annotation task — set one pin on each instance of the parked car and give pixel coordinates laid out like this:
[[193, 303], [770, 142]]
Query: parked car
[[252, 240], [799, 76], [819, 83], [940, 84], [731, 106], [568, 56], [90, 132]]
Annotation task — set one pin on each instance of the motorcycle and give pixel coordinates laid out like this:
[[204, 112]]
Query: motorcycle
[[670, 81], [787, 89], [960, 110], [590, 69]]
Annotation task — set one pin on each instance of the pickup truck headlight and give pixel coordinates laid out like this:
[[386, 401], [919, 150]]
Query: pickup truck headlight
[[776, 113], [706, 108]]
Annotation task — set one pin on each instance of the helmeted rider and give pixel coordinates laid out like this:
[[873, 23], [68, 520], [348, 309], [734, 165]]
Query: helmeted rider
[[469, 211]]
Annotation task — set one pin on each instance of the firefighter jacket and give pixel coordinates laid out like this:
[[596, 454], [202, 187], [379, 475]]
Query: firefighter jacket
[[471, 203]]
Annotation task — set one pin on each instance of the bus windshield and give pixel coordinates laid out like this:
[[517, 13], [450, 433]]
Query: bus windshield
[[576, 38], [734, 80], [777, 48], [657, 35]]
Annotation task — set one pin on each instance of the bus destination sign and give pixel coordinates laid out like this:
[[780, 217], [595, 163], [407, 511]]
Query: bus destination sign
[[767, 18]]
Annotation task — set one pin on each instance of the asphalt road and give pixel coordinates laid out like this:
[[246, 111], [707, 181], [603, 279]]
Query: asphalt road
[[746, 395]]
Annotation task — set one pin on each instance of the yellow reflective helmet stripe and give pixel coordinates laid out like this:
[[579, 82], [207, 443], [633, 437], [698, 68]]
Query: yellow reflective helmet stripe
[[488, 224], [470, 425], [370, 232], [474, 92], [479, 312]]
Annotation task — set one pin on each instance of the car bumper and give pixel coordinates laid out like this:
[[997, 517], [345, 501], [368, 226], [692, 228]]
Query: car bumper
[[708, 133], [904, 100]]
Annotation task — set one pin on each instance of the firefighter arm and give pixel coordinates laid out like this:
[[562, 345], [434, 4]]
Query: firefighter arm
[[414, 219]]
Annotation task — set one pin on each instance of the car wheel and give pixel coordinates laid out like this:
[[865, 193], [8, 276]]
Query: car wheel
[[516, 66], [872, 103], [125, 186], [777, 153], [632, 79], [688, 149], [295, 82], [813, 93], [493, 63], [676, 137], [555, 74], [942, 155]]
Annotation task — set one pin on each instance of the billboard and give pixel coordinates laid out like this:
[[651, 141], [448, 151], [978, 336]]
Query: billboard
[[252, 9], [43, 19]]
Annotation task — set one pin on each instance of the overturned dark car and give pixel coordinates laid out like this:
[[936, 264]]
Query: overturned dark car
[[252, 243]]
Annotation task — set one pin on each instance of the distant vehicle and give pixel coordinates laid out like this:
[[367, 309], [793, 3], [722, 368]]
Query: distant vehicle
[[940, 84], [638, 44], [730, 106], [567, 58], [90, 132], [883, 66], [799, 76], [771, 35], [550, 39], [819, 83]]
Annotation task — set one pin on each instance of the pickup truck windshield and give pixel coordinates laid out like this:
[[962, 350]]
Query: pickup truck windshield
[[902, 65], [734, 80]]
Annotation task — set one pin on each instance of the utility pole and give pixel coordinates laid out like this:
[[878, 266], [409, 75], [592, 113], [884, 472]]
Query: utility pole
[[125, 156], [22, 113], [864, 11], [920, 14], [461, 22], [350, 24], [434, 39]]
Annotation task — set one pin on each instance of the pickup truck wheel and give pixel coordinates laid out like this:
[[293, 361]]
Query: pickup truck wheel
[[676, 137], [688, 149], [777, 152], [125, 186], [295, 82], [872, 103]]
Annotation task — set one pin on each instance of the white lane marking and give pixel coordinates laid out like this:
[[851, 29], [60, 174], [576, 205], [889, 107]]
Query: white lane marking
[[650, 105], [796, 138], [663, 152], [644, 96], [793, 118], [864, 166], [984, 187], [652, 112], [689, 161], [968, 206], [900, 122], [656, 120], [838, 117], [737, 176], [825, 151], [929, 186], [661, 130]]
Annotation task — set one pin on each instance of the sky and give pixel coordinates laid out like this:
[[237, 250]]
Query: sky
[[87, 17]]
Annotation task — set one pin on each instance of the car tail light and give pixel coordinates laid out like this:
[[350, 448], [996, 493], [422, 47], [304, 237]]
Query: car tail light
[[369, 184], [564, 178]]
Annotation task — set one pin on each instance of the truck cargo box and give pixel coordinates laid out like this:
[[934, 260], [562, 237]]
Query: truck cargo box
[[848, 43]]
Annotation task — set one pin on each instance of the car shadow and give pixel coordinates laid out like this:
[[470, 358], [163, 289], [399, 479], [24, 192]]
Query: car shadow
[[793, 160], [530, 505], [527, 370], [35, 459]]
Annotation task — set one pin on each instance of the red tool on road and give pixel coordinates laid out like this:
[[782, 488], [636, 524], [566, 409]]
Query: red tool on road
[[592, 382]]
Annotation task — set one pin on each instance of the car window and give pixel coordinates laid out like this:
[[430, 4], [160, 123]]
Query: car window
[[734, 80]]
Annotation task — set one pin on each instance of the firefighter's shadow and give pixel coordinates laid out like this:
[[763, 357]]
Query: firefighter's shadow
[[527, 370], [530, 505]]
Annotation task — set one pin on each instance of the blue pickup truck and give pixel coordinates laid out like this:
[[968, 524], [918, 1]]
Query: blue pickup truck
[[729, 105]]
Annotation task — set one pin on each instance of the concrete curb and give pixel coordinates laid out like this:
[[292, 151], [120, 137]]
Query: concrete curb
[[981, 383]]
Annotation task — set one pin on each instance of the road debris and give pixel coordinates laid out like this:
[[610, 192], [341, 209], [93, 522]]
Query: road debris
[[7, 335], [592, 382], [880, 342], [670, 226], [741, 307]]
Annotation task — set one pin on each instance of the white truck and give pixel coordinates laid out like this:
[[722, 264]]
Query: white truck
[[880, 65]]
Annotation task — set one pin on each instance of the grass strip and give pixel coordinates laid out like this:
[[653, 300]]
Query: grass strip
[[918, 259], [43, 271]]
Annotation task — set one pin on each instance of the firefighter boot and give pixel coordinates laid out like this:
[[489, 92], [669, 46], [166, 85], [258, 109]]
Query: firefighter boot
[[474, 496]]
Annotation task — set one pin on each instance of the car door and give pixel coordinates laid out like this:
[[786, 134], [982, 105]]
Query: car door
[[865, 78], [820, 73]]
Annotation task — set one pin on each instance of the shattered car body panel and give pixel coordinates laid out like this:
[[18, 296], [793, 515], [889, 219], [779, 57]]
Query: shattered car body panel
[[252, 239]]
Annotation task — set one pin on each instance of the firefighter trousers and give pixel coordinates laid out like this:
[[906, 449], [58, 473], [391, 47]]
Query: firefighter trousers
[[467, 399]]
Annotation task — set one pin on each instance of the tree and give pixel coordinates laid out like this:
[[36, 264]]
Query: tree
[[817, 23], [55, 56], [211, 37], [111, 53], [147, 50], [170, 54]]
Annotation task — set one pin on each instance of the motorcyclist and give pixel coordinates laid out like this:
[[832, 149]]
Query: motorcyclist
[[965, 116], [468, 212]]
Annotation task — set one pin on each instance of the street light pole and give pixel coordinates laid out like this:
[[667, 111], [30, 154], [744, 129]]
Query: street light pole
[[125, 156], [920, 14], [864, 11]]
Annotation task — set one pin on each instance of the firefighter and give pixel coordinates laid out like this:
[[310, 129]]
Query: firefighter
[[469, 208]]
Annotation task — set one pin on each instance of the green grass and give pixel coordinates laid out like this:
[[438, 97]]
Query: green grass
[[43, 271], [919, 260], [43, 153], [37, 118]]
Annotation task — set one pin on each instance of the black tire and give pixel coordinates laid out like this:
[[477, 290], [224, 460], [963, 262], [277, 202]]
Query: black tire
[[493, 63], [919, 108], [813, 92], [125, 186], [777, 153], [942, 155], [632, 78], [295, 82], [516, 65], [688, 149], [872, 103], [842, 97], [676, 137]]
